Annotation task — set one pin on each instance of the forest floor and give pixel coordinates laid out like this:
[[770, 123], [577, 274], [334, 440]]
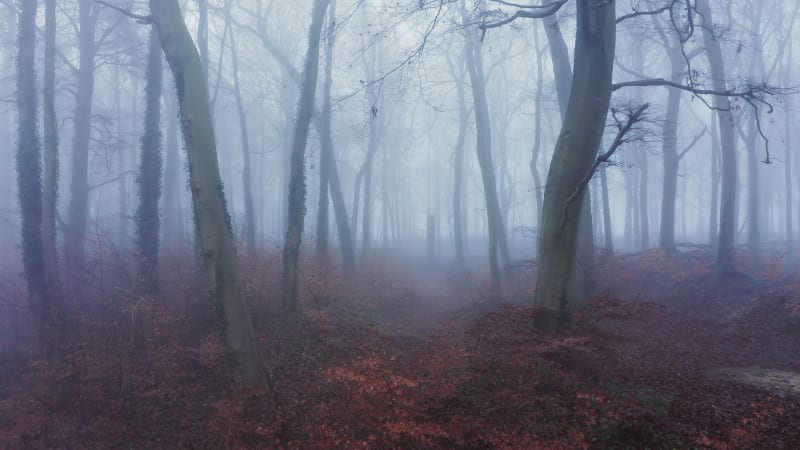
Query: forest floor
[[663, 358]]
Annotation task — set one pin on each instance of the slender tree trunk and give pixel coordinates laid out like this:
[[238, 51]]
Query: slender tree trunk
[[498, 244], [247, 184], [325, 150], [609, 237], [297, 184], [788, 176], [537, 138], [713, 211], [458, 172], [574, 155], [29, 178], [724, 263], [643, 197], [79, 184], [51, 166], [219, 253], [669, 153], [148, 219]]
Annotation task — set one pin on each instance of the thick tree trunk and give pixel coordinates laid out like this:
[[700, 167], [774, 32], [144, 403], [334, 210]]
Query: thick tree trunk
[[247, 184], [79, 184], [148, 219], [724, 263], [29, 178], [51, 163], [574, 155], [583, 284], [219, 253], [297, 182]]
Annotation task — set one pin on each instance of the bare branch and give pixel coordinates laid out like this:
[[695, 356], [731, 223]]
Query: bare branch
[[143, 19], [693, 143], [633, 116], [542, 12]]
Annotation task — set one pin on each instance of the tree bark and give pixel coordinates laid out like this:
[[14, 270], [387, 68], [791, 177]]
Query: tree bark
[[574, 156], [498, 244], [724, 263], [51, 162], [609, 237], [29, 178], [173, 209], [219, 253], [148, 220], [297, 183], [79, 184], [325, 150], [247, 184]]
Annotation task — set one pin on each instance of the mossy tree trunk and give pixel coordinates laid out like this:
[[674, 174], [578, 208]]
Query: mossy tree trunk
[[148, 220], [219, 253], [29, 176]]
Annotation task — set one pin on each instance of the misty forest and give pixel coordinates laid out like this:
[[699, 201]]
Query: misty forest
[[521, 224]]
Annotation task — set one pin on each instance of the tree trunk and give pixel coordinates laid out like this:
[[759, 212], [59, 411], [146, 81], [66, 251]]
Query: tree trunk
[[669, 153], [297, 183], [173, 209], [29, 178], [148, 219], [574, 155], [325, 150], [498, 243], [609, 237], [219, 253], [51, 163], [79, 184], [724, 263], [583, 276], [247, 184], [458, 171], [714, 207]]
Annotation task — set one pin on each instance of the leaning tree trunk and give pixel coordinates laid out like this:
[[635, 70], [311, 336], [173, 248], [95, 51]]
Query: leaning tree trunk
[[724, 263], [148, 220], [297, 182], [79, 184], [29, 177], [51, 166], [219, 253], [574, 155]]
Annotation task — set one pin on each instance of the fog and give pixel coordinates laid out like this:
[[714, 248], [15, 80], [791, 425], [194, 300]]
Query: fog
[[377, 224]]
